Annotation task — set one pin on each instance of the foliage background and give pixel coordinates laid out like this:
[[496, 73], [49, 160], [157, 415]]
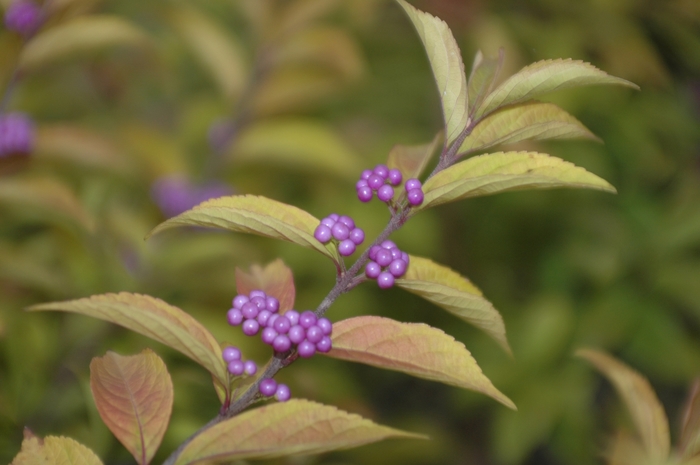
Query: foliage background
[[565, 268]]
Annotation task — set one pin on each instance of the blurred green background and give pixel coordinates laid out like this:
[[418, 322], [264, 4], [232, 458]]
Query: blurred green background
[[290, 100]]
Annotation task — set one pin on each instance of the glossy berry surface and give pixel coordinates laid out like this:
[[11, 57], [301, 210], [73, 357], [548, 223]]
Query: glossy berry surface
[[268, 387], [385, 280], [282, 393], [230, 353], [16, 134], [346, 248], [249, 367], [386, 263], [415, 197]]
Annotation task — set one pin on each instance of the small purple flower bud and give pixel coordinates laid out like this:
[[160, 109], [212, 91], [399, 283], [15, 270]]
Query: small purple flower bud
[[234, 316], [385, 280], [282, 393], [372, 269], [346, 248], [324, 345], [250, 368], [268, 387], [395, 177], [323, 234], [230, 353], [306, 349]]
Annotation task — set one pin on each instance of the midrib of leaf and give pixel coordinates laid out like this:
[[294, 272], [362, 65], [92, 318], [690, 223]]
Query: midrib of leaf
[[137, 414]]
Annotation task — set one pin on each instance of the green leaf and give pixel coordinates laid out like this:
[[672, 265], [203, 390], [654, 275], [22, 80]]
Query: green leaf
[[641, 401], [689, 443], [53, 450], [448, 68], [254, 215], [411, 160], [218, 51], [296, 143], [482, 78], [526, 121], [275, 279], [134, 396], [413, 348], [294, 427], [546, 76], [85, 34], [506, 171], [456, 294], [155, 319]]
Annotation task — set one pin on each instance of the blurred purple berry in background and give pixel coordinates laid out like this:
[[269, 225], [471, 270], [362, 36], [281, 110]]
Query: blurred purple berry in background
[[23, 17], [16, 134], [220, 134], [176, 194]]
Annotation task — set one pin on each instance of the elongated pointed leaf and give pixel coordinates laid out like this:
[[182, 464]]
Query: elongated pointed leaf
[[53, 450], [84, 34], [483, 78], [134, 396], [546, 76], [448, 68], [254, 215], [411, 160], [294, 427], [155, 319], [413, 348], [506, 171], [641, 401], [689, 443], [275, 279], [526, 121], [456, 294]]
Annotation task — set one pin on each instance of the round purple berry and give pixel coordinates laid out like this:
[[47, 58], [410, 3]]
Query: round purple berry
[[328, 221], [268, 336], [384, 257], [395, 253], [385, 193], [346, 248], [250, 327], [296, 334], [340, 231], [249, 367], [334, 216], [361, 183], [397, 268], [281, 343], [272, 304], [292, 316], [372, 269], [325, 325], [268, 387], [260, 302], [357, 236], [382, 171], [306, 349], [239, 300], [373, 252], [307, 319], [282, 325], [314, 334], [234, 316], [385, 280], [249, 310], [347, 221], [263, 317], [413, 183], [365, 194], [324, 345], [23, 17], [395, 177], [236, 367], [257, 293], [230, 353], [366, 174], [375, 182], [388, 244], [282, 393], [415, 197], [405, 257]]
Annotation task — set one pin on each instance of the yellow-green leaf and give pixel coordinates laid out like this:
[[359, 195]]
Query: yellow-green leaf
[[448, 68], [294, 427], [53, 450], [411, 160], [526, 121], [689, 443], [296, 143], [483, 78], [275, 279], [218, 51], [506, 171], [254, 215], [546, 76], [134, 396], [413, 348], [155, 319], [641, 401], [456, 294], [84, 34]]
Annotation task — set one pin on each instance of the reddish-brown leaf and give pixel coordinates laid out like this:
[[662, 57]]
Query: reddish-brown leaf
[[275, 279]]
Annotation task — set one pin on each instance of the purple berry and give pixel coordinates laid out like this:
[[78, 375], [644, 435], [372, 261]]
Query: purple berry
[[395, 253], [268, 387], [334, 216], [306, 349], [372, 269], [375, 182], [382, 171], [325, 325], [16, 134], [292, 316], [384, 257], [249, 310], [366, 174], [357, 236], [346, 248], [272, 319], [322, 233], [272, 304], [234, 316], [263, 317], [405, 257], [365, 194], [282, 393], [413, 183], [340, 231], [324, 345], [236, 367], [260, 302], [296, 334], [23, 17], [230, 353], [239, 300], [347, 221], [385, 280], [395, 177], [385, 193], [250, 327], [257, 293], [373, 252], [388, 244], [250, 368], [398, 268], [282, 325], [314, 334], [415, 197], [281, 343], [360, 183], [307, 319], [328, 221], [268, 336]]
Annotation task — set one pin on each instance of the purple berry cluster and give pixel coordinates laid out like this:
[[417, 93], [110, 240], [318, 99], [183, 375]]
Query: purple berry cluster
[[379, 180], [414, 192], [258, 313], [16, 134], [269, 387], [386, 262], [342, 229], [23, 17], [236, 365]]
